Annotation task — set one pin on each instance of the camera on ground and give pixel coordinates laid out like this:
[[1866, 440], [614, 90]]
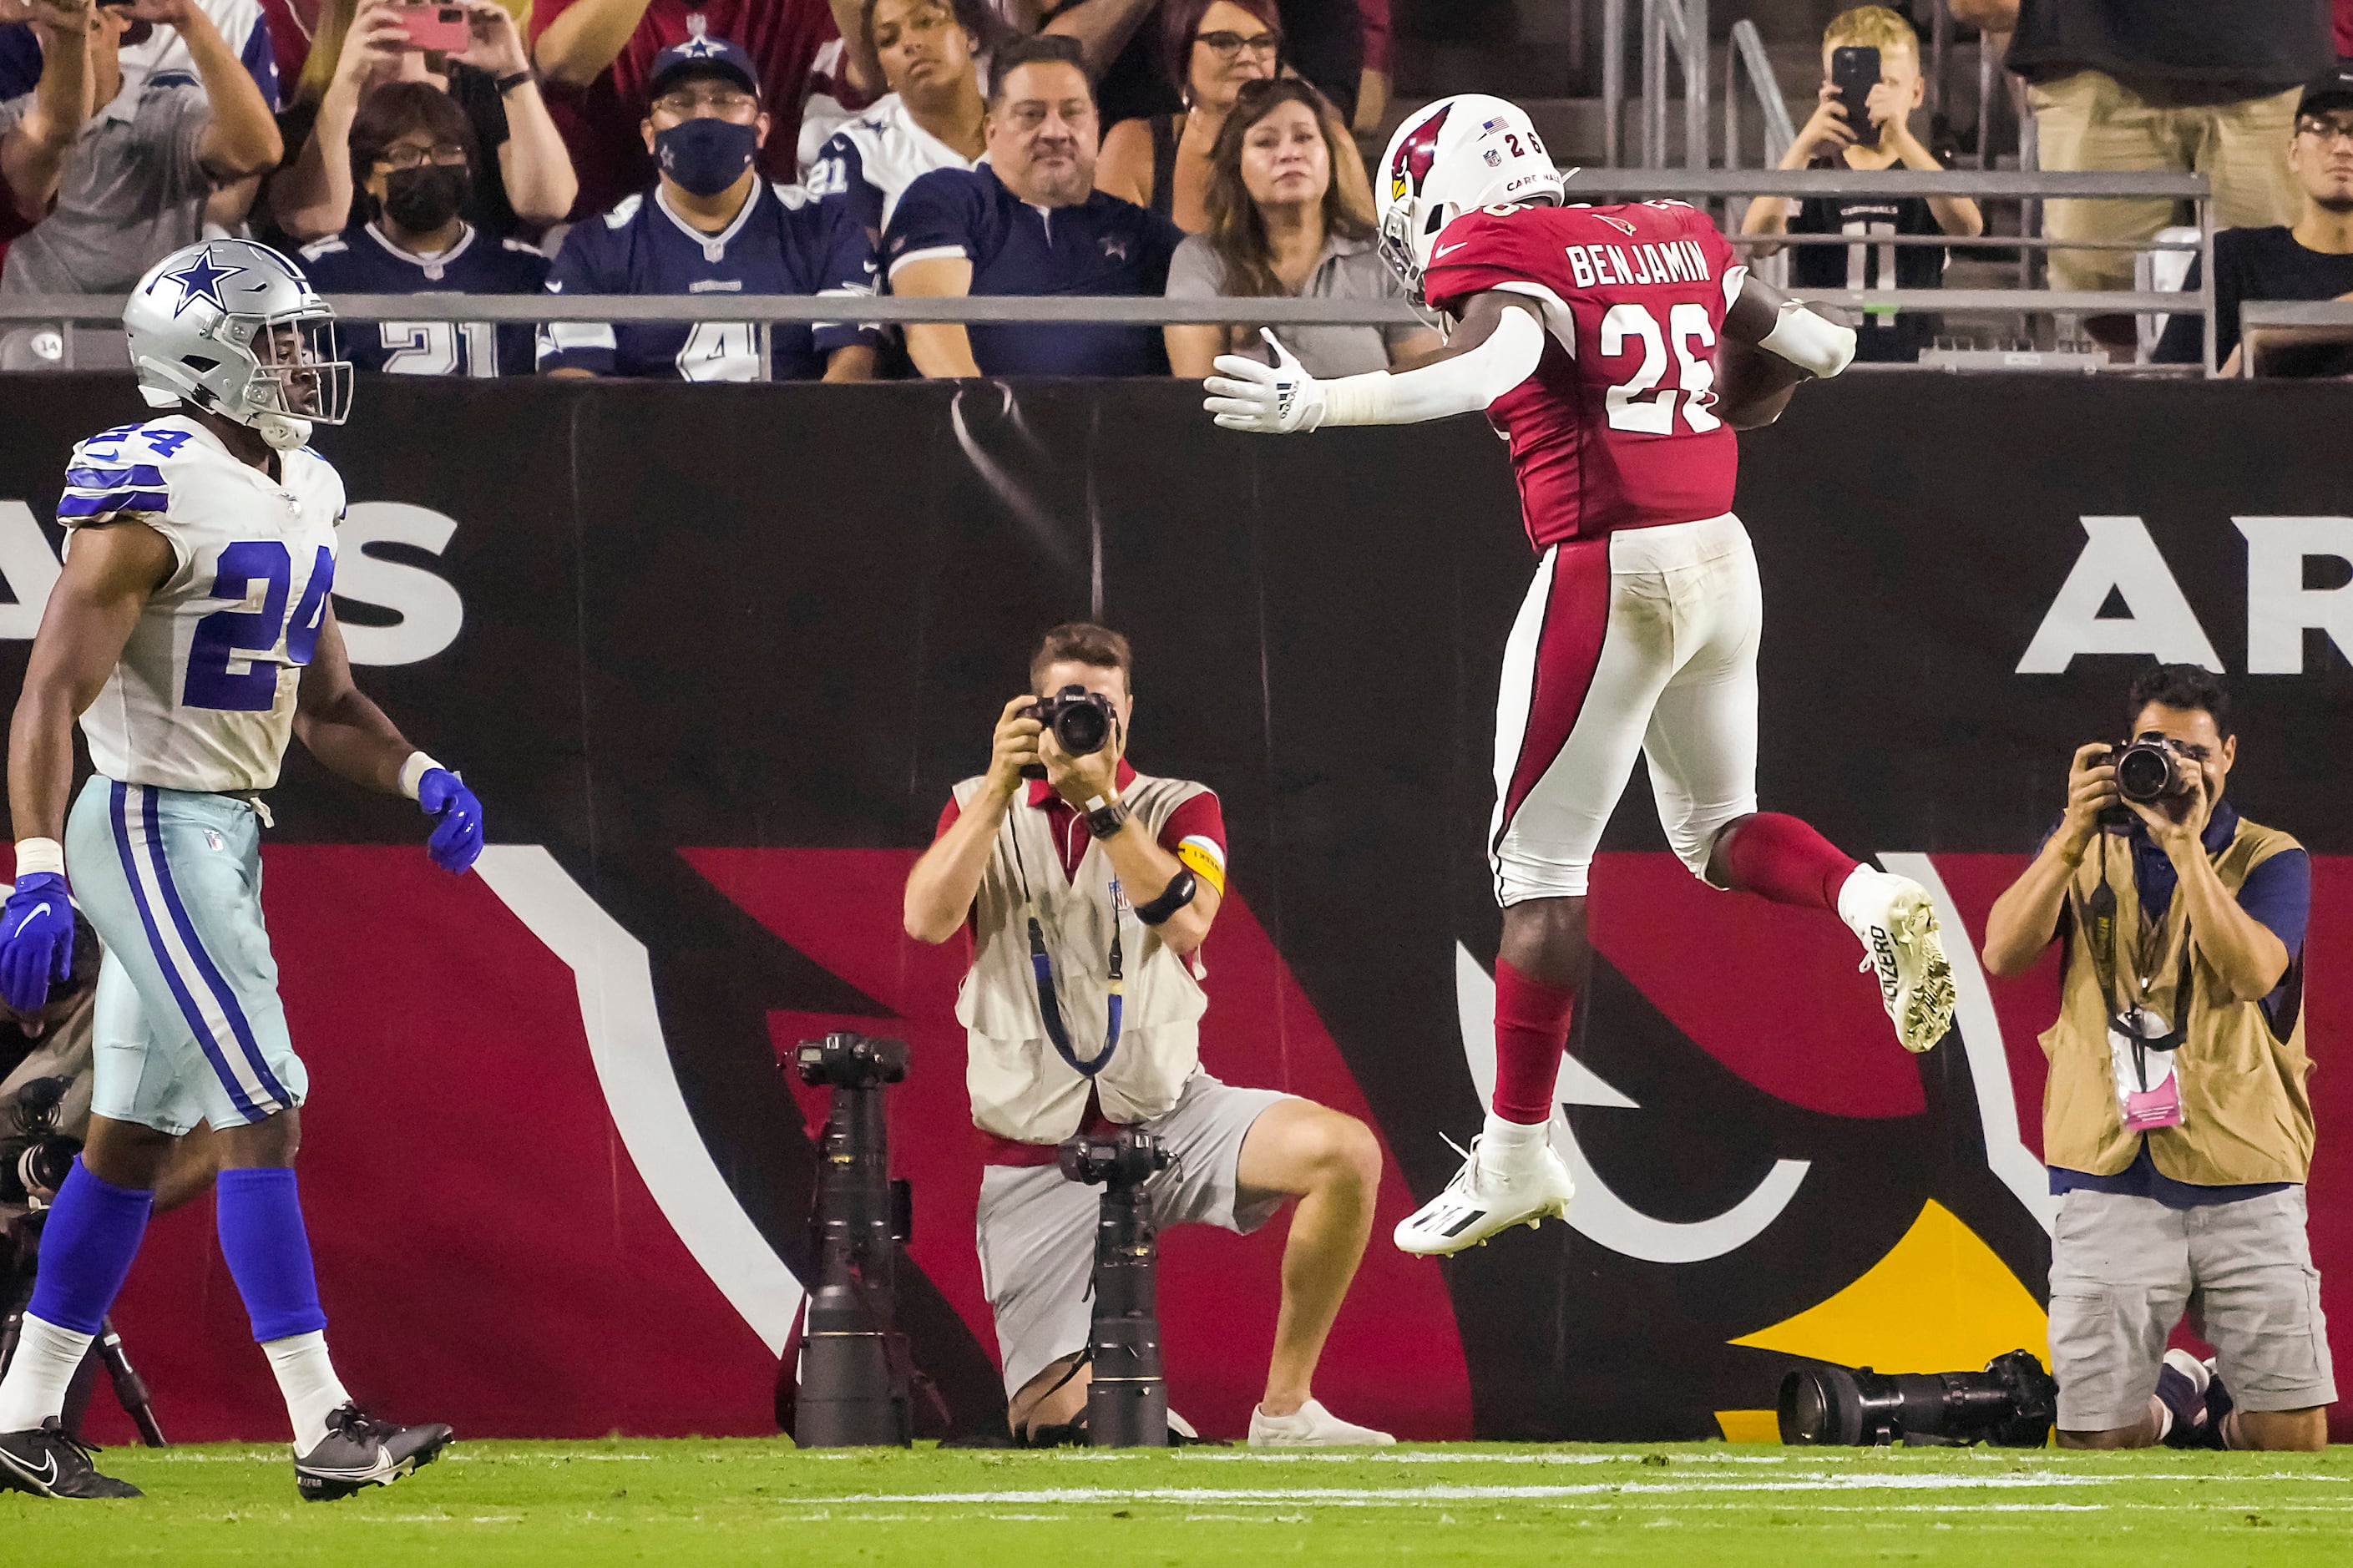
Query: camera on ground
[[2012, 1404]]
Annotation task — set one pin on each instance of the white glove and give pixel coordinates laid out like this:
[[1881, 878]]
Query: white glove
[[1274, 400]]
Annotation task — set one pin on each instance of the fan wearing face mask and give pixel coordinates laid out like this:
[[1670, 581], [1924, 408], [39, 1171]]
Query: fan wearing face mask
[[412, 151], [712, 225]]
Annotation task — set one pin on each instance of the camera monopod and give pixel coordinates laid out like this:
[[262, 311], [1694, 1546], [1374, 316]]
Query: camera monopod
[[1127, 1401], [855, 1373]]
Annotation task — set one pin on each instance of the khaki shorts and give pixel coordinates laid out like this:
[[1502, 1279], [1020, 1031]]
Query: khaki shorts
[[2092, 121], [2123, 1271], [1037, 1231]]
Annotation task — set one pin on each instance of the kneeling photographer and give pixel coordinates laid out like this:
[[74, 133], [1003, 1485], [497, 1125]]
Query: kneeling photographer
[[1088, 888], [2175, 1123]]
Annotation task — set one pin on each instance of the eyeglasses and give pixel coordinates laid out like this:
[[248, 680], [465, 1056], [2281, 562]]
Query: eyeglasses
[[2325, 130], [1230, 46], [727, 103], [408, 155]]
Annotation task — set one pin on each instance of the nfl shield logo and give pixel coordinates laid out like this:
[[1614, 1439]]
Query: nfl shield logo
[[1494, 158]]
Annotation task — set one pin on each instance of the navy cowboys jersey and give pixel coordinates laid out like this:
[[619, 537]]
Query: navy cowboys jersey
[[870, 161], [781, 243], [361, 260]]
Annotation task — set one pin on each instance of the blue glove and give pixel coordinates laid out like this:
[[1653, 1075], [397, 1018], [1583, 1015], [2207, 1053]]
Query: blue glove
[[456, 838], [36, 933]]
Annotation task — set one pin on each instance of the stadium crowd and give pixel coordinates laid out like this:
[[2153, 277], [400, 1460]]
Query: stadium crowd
[[1195, 148]]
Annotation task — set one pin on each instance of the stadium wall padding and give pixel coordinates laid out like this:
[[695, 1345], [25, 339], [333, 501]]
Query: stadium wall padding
[[713, 656]]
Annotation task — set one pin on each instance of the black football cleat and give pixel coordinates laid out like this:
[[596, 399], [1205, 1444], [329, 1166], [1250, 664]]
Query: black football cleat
[[49, 1461], [359, 1450]]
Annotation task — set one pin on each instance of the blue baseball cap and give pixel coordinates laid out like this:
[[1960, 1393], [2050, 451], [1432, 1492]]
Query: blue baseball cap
[[2332, 89], [702, 54]]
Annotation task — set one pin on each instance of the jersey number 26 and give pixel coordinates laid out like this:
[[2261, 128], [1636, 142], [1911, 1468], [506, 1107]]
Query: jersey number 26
[[1648, 401]]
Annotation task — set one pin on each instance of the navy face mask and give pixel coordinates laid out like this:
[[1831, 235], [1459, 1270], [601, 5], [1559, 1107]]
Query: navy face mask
[[706, 155]]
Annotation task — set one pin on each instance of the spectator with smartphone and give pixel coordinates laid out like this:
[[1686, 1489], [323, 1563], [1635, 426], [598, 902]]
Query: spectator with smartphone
[[711, 223], [599, 56], [412, 152], [520, 177], [1030, 221], [134, 188], [2142, 85], [2313, 259], [1876, 51], [1278, 226], [39, 128], [151, 51]]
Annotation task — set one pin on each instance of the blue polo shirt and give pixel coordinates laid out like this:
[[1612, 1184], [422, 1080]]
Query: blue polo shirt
[[1102, 245], [2279, 894]]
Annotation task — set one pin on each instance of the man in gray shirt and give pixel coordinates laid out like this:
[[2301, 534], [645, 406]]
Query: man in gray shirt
[[136, 181]]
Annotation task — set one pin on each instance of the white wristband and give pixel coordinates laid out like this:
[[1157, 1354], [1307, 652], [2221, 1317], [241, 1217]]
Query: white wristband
[[34, 855], [413, 771]]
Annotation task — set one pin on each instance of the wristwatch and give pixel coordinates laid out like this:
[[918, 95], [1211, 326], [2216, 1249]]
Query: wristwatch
[[507, 84], [1105, 816]]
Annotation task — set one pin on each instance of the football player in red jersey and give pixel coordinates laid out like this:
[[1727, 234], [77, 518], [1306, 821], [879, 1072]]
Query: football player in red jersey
[[1594, 339]]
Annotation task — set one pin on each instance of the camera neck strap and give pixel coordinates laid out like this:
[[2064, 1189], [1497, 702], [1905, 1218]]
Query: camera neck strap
[[1041, 971], [2098, 915]]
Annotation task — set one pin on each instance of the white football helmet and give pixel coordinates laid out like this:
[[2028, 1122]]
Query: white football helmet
[[1456, 156], [234, 328]]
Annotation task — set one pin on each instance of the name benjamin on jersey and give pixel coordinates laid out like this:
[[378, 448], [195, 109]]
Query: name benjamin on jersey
[[1676, 261]]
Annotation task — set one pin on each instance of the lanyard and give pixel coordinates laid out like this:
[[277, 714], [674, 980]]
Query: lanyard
[[1041, 970], [2098, 916]]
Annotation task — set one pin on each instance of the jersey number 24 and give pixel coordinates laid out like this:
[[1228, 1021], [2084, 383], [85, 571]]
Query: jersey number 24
[[250, 636], [1648, 401]]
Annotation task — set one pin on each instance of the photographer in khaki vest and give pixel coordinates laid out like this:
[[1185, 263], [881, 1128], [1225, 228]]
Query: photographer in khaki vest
[[2175, 1119], [1087, 890]]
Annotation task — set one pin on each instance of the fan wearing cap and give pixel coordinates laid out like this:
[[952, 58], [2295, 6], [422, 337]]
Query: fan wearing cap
[[712, 225], [2313, 259]]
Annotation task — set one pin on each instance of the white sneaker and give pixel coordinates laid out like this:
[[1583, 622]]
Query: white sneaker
[[1897, 924], [1482, 1199], [1312, 1426]]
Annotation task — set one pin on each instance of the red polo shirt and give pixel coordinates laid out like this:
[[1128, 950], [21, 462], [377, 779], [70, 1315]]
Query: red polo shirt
[[1200, 819], [783, 37]]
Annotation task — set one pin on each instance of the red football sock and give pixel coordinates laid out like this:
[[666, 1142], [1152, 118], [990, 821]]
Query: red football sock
[[1779, 857], [1531, 1031]]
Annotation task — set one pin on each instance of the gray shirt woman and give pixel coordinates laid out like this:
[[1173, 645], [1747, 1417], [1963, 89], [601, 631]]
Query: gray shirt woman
[[1348, 269]]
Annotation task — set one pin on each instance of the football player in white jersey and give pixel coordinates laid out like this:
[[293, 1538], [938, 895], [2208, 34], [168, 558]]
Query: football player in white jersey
[[192, 633]]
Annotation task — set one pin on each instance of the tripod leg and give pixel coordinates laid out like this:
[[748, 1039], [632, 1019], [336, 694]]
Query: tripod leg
[[130, 1388]]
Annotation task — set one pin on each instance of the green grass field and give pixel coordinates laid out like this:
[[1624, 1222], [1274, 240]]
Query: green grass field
[[708, 1503]]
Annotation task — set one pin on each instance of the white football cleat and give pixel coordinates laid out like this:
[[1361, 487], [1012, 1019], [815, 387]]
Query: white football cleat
[[1312, 1426], [1897, 925], [1487, 1196]]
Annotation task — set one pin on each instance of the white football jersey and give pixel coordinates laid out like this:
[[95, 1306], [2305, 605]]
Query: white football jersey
[[871, 161], [202, 698]]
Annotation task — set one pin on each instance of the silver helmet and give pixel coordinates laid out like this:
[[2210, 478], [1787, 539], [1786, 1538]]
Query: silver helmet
[[234, 328]]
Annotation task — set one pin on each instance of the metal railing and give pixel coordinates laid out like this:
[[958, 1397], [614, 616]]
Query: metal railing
[[1682, 24], [1746, 51], [1691, 185]]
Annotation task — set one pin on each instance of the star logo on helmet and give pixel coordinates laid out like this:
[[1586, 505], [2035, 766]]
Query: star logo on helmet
[[200, 280]]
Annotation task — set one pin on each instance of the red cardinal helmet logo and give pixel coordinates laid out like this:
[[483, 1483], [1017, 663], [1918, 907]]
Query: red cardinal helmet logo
[[1415, 154]]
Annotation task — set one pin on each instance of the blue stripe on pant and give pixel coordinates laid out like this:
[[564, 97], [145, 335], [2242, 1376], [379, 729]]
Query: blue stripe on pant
[[189, 1027]]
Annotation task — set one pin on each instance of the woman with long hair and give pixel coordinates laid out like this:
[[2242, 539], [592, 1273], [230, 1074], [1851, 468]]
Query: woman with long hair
[[1212, 49], [1281, 227]]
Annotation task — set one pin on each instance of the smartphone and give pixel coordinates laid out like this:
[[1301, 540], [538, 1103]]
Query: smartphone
[[1854, 71], [442, 30]]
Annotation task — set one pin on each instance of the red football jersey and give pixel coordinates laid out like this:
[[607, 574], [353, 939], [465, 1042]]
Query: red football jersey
[[1617, 428]]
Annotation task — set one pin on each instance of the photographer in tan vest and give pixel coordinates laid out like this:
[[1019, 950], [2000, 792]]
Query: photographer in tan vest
[[1112, 878], [2175, 1120]]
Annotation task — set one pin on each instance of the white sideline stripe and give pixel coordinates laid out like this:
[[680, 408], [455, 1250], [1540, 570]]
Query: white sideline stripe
[[616, 985], [1844, 1483], [2006, 1151]]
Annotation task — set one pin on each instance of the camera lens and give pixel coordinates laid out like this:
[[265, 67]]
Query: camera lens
[[2143, 772]]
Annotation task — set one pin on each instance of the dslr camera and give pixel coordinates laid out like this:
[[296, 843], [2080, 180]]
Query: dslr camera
[[35, 1157], [1080, 721], [2148, 771], [844, 1060], [1129, 1159]]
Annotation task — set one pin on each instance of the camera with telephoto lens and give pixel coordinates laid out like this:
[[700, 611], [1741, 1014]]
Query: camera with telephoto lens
[[2146, 771], [1080, 721], [1130, 1160], [851, 1061], [2011, 1404], [35, 1157]]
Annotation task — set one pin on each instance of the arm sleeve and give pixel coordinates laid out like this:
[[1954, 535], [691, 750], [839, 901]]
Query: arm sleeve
[[180, 126], [259, 57], [1194, 272], [1196, 834], [846, 266], [935, 219], [579, 345], [2182, 343], [2279, 894], [124, 473], [1376, 18], [1466, 383], [948, 815]]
